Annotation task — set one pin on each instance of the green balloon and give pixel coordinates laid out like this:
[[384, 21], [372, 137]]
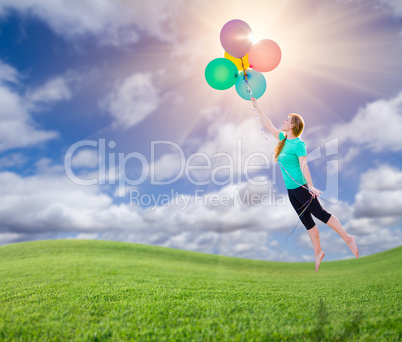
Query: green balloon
[[221, 73]]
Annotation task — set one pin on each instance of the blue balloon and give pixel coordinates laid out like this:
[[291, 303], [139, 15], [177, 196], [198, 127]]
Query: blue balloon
[[256, 81]]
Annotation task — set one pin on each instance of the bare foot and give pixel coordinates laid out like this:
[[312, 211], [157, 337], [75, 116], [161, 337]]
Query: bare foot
[[318, 259], [352, 245]]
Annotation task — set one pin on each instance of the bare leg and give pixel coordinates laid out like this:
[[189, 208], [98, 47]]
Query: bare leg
[[349, 239], [318, 252]]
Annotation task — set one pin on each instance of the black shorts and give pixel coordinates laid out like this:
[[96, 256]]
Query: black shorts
[[299, 198]]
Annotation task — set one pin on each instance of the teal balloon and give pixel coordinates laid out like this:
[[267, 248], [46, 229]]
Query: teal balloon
[[221, 73], [256, 81]]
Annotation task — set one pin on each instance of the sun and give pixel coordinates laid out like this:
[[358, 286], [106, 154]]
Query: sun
[[252, 38]]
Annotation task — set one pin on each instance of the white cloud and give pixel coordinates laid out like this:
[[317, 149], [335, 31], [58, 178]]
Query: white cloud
[[44, 166], [132, 100], [52, 203], [86, 236], [377, 126], [85, 158], [380, 193], [382, 178], [375, 216], [168, 167], [222, 136], [114, 22], [55, 89], [13, 160], [7, 238], [389, 238], [17, 128], [241, 243], [8, 73], [234, 207]]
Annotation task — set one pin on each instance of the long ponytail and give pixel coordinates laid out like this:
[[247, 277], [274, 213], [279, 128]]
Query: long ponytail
[[279, 147]]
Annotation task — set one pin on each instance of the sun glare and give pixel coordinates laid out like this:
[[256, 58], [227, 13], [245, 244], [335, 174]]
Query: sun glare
[[251, 38], [316, 51]]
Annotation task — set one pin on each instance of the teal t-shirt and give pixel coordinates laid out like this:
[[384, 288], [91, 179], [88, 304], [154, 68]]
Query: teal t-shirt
[[289, 158]]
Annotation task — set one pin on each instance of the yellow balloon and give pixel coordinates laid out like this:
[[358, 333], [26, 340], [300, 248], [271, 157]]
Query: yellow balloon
[[238, 61]]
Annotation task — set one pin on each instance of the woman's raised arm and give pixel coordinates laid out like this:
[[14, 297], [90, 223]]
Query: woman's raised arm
[[265, 120]]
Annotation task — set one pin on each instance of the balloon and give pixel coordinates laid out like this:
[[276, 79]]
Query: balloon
[[235, 38], [265, 55], [256, 81], [237, 61], [221, 73]]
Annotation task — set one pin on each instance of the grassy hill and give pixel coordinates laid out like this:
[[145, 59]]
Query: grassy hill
[[109, 291]]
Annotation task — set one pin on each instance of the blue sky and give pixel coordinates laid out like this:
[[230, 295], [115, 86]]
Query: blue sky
[[114, 94]]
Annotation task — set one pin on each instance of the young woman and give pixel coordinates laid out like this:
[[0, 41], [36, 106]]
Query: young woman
[[291, 152]]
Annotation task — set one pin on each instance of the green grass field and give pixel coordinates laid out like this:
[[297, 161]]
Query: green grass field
[[62, 290]]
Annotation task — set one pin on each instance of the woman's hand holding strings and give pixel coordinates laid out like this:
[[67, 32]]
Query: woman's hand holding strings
[[314, 192], [254, 102]]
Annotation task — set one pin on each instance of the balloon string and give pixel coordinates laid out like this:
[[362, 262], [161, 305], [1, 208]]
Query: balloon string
[[280, 164], [301, 215]]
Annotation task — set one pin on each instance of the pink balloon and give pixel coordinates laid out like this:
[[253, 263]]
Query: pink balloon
[[235, 38], [265, 55]]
